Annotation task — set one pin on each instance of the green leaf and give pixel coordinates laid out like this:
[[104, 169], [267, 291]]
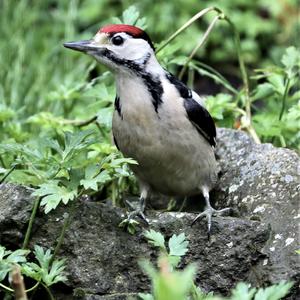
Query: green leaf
[[103, 177], [18, 256], [277, 80], [198, 294], [129, 225], [4, 270], [32, 270], [76, 142], [156, 239], [43, 257], [145, 296], [93, 177], [221, 106], [267, 125], [3, 171], [45, 272], [9, 258], [178, 245], [291, 61], [56, 273], [120, 161], [263, 91], [53, 194], [274, 292], [242, 291], [104, 116], [6, 113], [3, 252], [131, 16]]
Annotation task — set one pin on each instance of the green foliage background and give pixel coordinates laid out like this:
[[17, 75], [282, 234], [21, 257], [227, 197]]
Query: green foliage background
[[46, 91]]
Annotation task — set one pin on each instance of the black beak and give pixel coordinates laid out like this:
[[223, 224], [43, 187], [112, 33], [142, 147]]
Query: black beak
[[82, 46]]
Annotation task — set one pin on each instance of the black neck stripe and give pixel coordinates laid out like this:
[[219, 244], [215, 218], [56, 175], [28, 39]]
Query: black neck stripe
[[152, 83]]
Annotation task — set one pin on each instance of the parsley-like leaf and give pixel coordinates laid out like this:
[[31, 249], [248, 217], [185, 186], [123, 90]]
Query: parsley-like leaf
[[93, 177], [178, 245], [54, 194], [156, 239], [49, 274]]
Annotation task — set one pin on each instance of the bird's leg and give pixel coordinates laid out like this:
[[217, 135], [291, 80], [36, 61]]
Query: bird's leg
[[209, 212]]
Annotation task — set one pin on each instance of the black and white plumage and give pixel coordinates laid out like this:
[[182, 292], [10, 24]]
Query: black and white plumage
[[158, 120]]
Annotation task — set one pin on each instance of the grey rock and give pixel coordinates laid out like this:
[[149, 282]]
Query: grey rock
[[15, 209], [103, 258], [263, 183], [259, 181]]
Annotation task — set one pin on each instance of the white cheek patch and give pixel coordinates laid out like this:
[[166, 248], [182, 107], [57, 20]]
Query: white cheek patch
[[132, 49]]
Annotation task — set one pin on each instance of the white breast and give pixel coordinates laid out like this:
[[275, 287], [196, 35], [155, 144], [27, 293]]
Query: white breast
[[173, 157]]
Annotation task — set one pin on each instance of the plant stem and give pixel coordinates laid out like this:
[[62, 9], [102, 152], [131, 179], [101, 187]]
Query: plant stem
[[191, 78], [100, 129], [286, 90], [201, 42], [61, 237], [48, 291], [282, 141], [237, 41], [33, 287], [242, 66], [79, 123], [285, 93], [7, 174], [31, 220], [27, 291], [66, 224], [186, 25], [253, 133], [87, 122], [113, 193], [6, 288]]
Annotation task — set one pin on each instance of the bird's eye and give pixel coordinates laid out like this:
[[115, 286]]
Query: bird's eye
[[117, 40]]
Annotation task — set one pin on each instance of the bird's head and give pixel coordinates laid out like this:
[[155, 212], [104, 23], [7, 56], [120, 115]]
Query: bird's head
[[120, 47]]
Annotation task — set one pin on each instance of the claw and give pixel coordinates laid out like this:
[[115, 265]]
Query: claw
[[200, 216], [130, 205], [209, 213], [136, 212]]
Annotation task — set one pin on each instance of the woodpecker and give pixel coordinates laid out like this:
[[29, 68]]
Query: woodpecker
[[158, 120]]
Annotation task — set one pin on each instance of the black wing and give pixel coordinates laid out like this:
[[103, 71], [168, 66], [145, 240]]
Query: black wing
[[196, 113]]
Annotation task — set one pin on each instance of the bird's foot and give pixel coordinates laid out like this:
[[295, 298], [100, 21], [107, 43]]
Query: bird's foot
[[209, 212], [137, 212], [130, 223]]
